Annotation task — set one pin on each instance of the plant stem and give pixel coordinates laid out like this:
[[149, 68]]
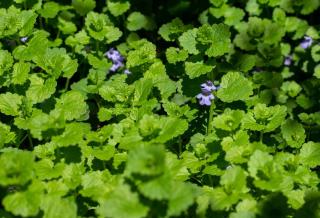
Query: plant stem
[[30, 140], [261, 137], [67, 84], [97, 46], [209, 128], [40, 21], [22, 140], [180, 148]]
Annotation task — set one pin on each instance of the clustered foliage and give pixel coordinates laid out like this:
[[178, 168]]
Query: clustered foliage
[[159, 108]]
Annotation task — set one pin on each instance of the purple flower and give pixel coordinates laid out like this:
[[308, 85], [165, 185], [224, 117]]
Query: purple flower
[[126, 71], [116, 65], [288, 60], [24, 39], [205, 98], [116, 58], [307, 42], [208, 87], [114, 55]]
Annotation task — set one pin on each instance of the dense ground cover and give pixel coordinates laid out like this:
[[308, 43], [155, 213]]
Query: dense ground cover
[[158, 108]]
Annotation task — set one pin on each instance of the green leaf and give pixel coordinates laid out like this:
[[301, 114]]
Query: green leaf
[[39, 89], [104, 114], [116, 89], [142, 88], [188, 41], [238, 147], [217, 37], [137, 21], [16, 167], [20, 72], [310, 6], [6, 61], [99, 63], [234, 180], [10, 21], [157, 189], [46, 169], [171, 31], [118, 8], [310, 154], [161, 80], [145, 53], [6, 136], [72, 135], [267, 173], [273, 33], [79, 39], [113, 34], [10, 103], [25, 203], [66, 27], [28, 19], [94, 184], [196, 69], [220, 200], [244, 62], [292, 88], [49, 10], [293, 132], [233, 16], [38, 122], [263, 118], [182, 197], [175, 55], [229, 120], [171, 128], [66, 105], [96, 24], [234, 87], [146, 160], [315, 53], [54, 206], [83, 7], [122, 203], [317, 71], [56, 61]]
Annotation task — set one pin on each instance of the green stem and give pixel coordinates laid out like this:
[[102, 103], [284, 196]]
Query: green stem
[[30, 140], [209, 128], [97, 46], [308, 133], [67, 84], [210, 180], [180, 148], [261, 137], [24, 138], [58, 34], [40, 21], [97, 102]]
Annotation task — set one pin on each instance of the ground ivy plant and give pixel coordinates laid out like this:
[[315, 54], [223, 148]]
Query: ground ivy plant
[[132, 109]]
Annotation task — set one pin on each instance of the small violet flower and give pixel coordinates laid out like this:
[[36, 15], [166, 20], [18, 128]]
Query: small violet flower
[[116, 58], [288, 60], [208, 87], [206, 96], [126, 71], [116, 65], [114, 55], [24, 39], [307, 42]]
